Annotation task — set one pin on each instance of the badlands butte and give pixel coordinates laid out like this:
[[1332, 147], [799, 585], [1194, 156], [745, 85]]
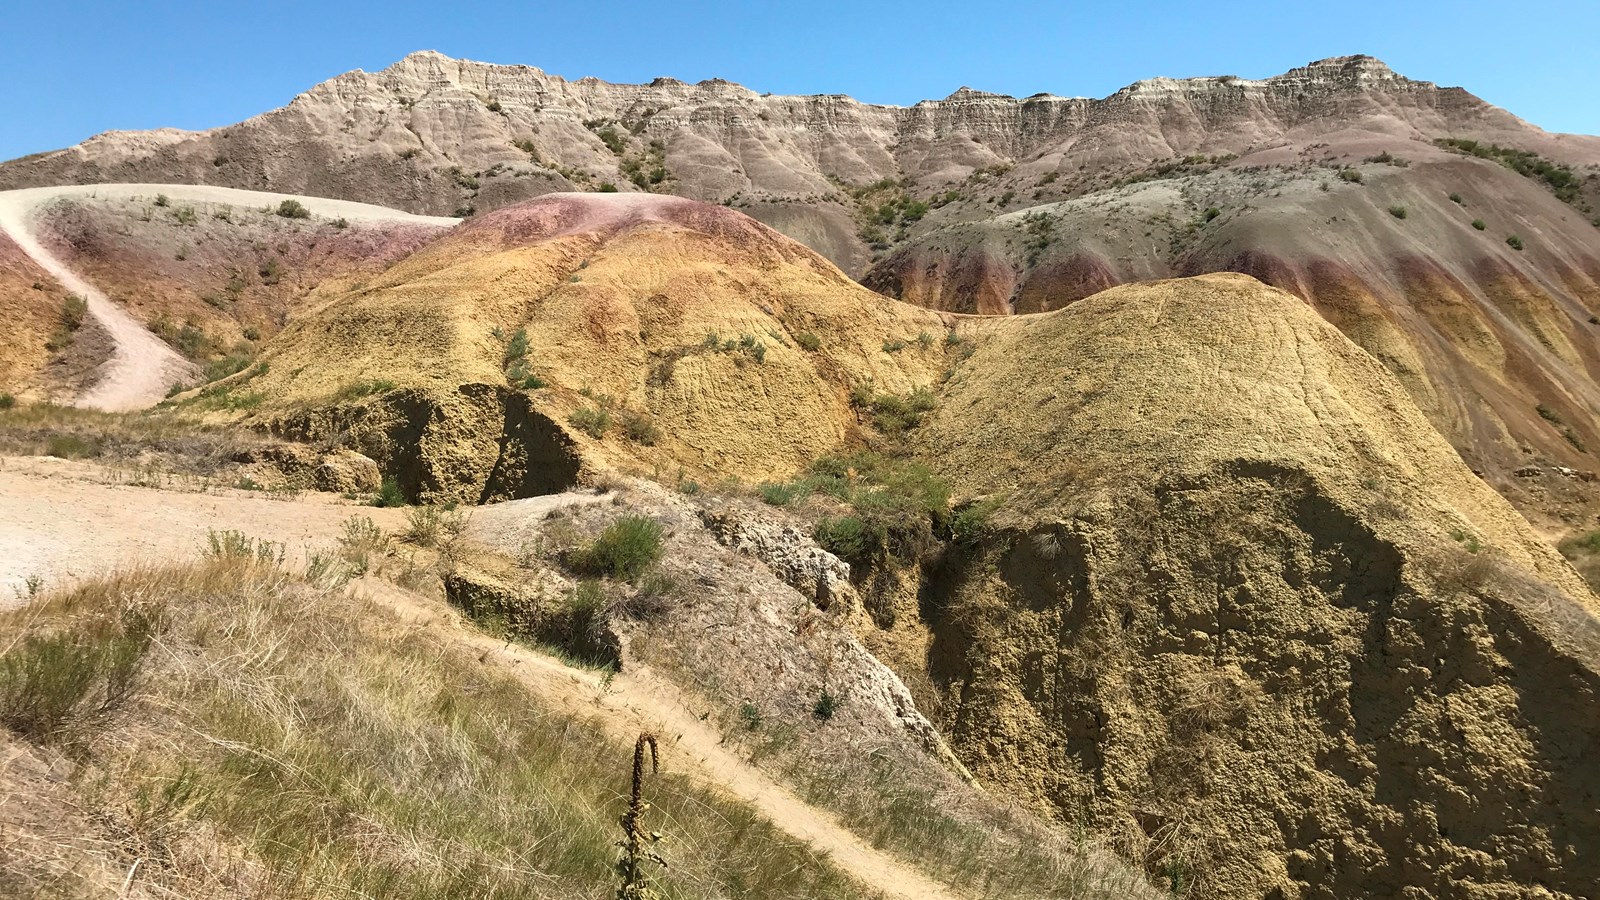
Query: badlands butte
[[1184, 493]]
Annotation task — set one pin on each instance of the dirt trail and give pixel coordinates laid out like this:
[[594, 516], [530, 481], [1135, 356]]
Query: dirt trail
[[142, 366], [638, 700], [61, 521]]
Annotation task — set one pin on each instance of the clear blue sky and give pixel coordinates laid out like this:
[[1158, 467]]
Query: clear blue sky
[[70, 69]]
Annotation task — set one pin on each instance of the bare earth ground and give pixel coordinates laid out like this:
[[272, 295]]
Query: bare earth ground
[[142, 366], [64, 520]]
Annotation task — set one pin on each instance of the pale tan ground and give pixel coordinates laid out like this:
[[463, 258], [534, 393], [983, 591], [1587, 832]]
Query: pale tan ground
[[60, 519]]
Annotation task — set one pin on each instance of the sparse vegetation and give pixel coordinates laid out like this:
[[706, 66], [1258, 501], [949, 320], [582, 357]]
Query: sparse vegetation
[[293, 209], [593, 421], [1479, 224], [892, 414], [625, 549], [808, 341], [1456, 199], [1558, 177], [1351, 175], [281, 729], [639, 427], [1399, 212], [389, 494], [1514, 243]]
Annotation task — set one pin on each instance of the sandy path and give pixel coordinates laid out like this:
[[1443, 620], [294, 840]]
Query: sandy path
[[142, 366], [60, 522]]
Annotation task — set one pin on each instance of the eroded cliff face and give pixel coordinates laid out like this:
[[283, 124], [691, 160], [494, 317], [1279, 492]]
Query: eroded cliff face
[[1242, 608], [434, 134]]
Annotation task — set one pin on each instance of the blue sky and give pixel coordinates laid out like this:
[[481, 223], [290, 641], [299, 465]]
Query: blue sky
[[72, 69]]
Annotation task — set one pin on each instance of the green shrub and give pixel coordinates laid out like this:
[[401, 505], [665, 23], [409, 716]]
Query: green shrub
[[1399, 212], [1514, 243], [1212, 213], [808, 341], [74, 311], [184, 215], [71, 446], [1456, 199], [624, 549], [1548, 414], [389, 494], [364, 388], [827, 704], [891, 414], [607, 187], [639, 427], [293, 209], [893, 346], [592, 421], [517, 347], [1351, 175], [7, 401], [847, 537], [1479, 224], [50, 682], [750, 715], [161, 200]]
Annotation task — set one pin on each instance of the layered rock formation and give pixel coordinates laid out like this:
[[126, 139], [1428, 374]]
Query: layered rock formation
[[434, 134]]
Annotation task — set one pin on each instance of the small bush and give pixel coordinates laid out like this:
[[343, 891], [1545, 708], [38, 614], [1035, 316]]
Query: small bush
[[1399, 212], [361, 541], [70, 446], [827, 704], [50, 682], [639, 427], [184, 215], [1514, 243], [750, 715], [74, 311], [624, 549], [1351, 175], [1479, 224], [1212, 213], [293, 209], [1456, 199], [7, 401], [808, 341], [593, 422], [846, 537], [389, 494], [517, 347], [161, 200], [893, 346]]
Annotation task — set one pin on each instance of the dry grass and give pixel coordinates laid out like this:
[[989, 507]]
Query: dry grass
[[981, 847], [179, 443], [274, 738]]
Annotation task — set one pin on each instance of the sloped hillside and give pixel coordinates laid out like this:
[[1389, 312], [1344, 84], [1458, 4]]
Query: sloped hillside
[[1475, 286], [577, 332], [1241, 606]]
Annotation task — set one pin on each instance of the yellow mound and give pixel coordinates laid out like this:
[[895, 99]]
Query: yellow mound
[[1244, 611], [739, 346], [1147, 379]]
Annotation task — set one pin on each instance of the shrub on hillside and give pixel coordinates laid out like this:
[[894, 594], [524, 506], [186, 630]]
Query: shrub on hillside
[[624, 549], [293, 209]]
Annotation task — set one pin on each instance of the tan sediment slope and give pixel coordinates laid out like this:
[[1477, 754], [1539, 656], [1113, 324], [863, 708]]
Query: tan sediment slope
[[1246, 610], [690, 317]]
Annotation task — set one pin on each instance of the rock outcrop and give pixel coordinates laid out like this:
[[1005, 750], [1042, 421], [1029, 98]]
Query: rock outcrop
[[438, 135]]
